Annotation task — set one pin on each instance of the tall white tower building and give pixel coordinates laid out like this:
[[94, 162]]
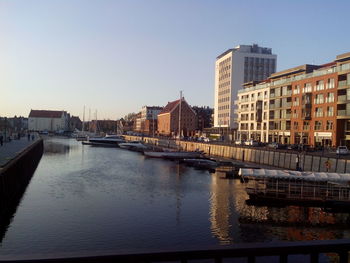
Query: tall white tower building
[[234, 67]]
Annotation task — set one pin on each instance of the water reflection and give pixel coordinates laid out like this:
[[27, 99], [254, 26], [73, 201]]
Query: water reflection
[[232, 220], [84, 198], [55, 146]]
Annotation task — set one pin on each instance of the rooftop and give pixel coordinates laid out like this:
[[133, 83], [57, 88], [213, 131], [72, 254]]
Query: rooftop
[[46, 114]]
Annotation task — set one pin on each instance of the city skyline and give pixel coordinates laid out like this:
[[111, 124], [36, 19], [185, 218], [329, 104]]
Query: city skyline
[[117, 56]]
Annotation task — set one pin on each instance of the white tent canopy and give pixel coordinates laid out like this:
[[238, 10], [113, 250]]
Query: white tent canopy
[[294, 175]]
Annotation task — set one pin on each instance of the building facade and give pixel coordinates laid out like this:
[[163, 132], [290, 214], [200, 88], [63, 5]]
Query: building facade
[[148, 120], [47, 120], [169, 119], [253, 110], [309, 104], [234, 67]]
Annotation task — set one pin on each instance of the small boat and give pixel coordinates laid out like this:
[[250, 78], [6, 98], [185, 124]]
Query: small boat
[[133, 145], [108, 140], [174, 154]]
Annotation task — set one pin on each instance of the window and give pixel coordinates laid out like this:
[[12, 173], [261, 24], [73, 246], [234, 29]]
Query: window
[[330, 97], [330, 84], [295, 125], [319, 85], [296, 89], [296, 101], [318, 99], [306, 125], [318, 125], [329, 125], [330, 111], [307, 87], [318, 112]]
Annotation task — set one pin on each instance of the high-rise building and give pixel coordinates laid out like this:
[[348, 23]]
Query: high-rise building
[[234, 67]]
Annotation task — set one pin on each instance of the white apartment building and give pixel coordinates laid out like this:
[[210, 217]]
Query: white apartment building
[[45, 120], [234, 67], [253, 112], [150, 112]]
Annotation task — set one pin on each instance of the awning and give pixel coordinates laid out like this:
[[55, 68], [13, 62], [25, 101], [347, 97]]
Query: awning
[[294, 175]]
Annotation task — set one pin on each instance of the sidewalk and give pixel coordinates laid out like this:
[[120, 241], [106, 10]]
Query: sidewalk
[[10, 150]]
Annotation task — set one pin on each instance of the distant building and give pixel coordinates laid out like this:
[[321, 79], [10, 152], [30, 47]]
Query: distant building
[[18, 124], [47, 120], [204, 117], [148, 121], [168, 119], [75, 123], [105, 126], [234, 67]]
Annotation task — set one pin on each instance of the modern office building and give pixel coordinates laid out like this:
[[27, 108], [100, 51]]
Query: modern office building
[[234, 67], [309, 104]]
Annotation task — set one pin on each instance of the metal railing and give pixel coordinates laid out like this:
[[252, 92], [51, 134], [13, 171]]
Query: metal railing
[[249, 251]]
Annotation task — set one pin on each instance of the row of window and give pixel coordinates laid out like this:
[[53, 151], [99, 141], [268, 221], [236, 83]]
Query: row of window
[[320, 85], [224, 107], [318, 125]]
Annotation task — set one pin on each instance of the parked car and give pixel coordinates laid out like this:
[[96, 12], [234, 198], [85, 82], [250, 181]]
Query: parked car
[[274, 145], [342, 150], [293, 147], [251, 143], [238, 142]]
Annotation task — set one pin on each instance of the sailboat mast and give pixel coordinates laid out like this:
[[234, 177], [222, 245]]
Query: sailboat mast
[[180, 114], [83, 119], [96, 121]]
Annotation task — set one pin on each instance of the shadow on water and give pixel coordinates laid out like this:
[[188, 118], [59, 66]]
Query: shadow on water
[[15, 178]]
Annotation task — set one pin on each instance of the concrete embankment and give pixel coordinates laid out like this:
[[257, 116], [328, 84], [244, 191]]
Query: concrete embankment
[[260, 156], [14, 178]]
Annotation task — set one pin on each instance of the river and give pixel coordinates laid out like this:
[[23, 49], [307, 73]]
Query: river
[[90, 200]]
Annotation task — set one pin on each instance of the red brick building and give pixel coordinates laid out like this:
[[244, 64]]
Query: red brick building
[[314, 105], [168, 119]]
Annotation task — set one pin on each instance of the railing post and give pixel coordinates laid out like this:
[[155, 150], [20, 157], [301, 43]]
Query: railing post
[[251, 259], [343, 256], [314, 258], [284, 258]]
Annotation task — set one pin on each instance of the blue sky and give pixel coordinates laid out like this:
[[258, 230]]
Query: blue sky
[[116, 56]]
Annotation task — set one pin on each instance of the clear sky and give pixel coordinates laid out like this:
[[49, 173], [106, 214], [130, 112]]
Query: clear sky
[[116, 56]]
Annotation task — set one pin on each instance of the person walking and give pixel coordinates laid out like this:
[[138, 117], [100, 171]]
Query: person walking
[[1, 140], [28, 135]]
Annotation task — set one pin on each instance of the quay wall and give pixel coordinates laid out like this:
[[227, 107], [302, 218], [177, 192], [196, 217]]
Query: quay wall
[[279, 159], [14, 178]]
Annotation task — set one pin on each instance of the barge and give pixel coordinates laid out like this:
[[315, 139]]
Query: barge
[[293, 187]]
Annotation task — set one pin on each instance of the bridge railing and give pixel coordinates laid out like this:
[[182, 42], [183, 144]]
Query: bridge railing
[[312, 250]]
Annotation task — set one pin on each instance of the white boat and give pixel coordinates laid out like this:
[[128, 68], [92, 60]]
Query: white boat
[[108, 140], [133, 145], [173, 155]]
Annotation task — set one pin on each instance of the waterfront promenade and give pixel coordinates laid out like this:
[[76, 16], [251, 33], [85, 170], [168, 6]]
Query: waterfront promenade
[[11, 149]]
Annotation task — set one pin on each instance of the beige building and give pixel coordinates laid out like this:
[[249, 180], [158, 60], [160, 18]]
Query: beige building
[[46, 120], [253, 110]]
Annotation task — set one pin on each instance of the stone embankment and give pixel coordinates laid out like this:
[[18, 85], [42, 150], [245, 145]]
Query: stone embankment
[[15, 174], [261, 156]]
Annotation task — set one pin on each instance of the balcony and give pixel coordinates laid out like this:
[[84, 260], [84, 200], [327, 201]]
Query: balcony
[[343, 84], [286, 105], [342, 99], [343, 114]]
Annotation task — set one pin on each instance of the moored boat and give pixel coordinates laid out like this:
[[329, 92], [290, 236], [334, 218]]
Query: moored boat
[[108, 140], [174, 154], [133, 145]]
